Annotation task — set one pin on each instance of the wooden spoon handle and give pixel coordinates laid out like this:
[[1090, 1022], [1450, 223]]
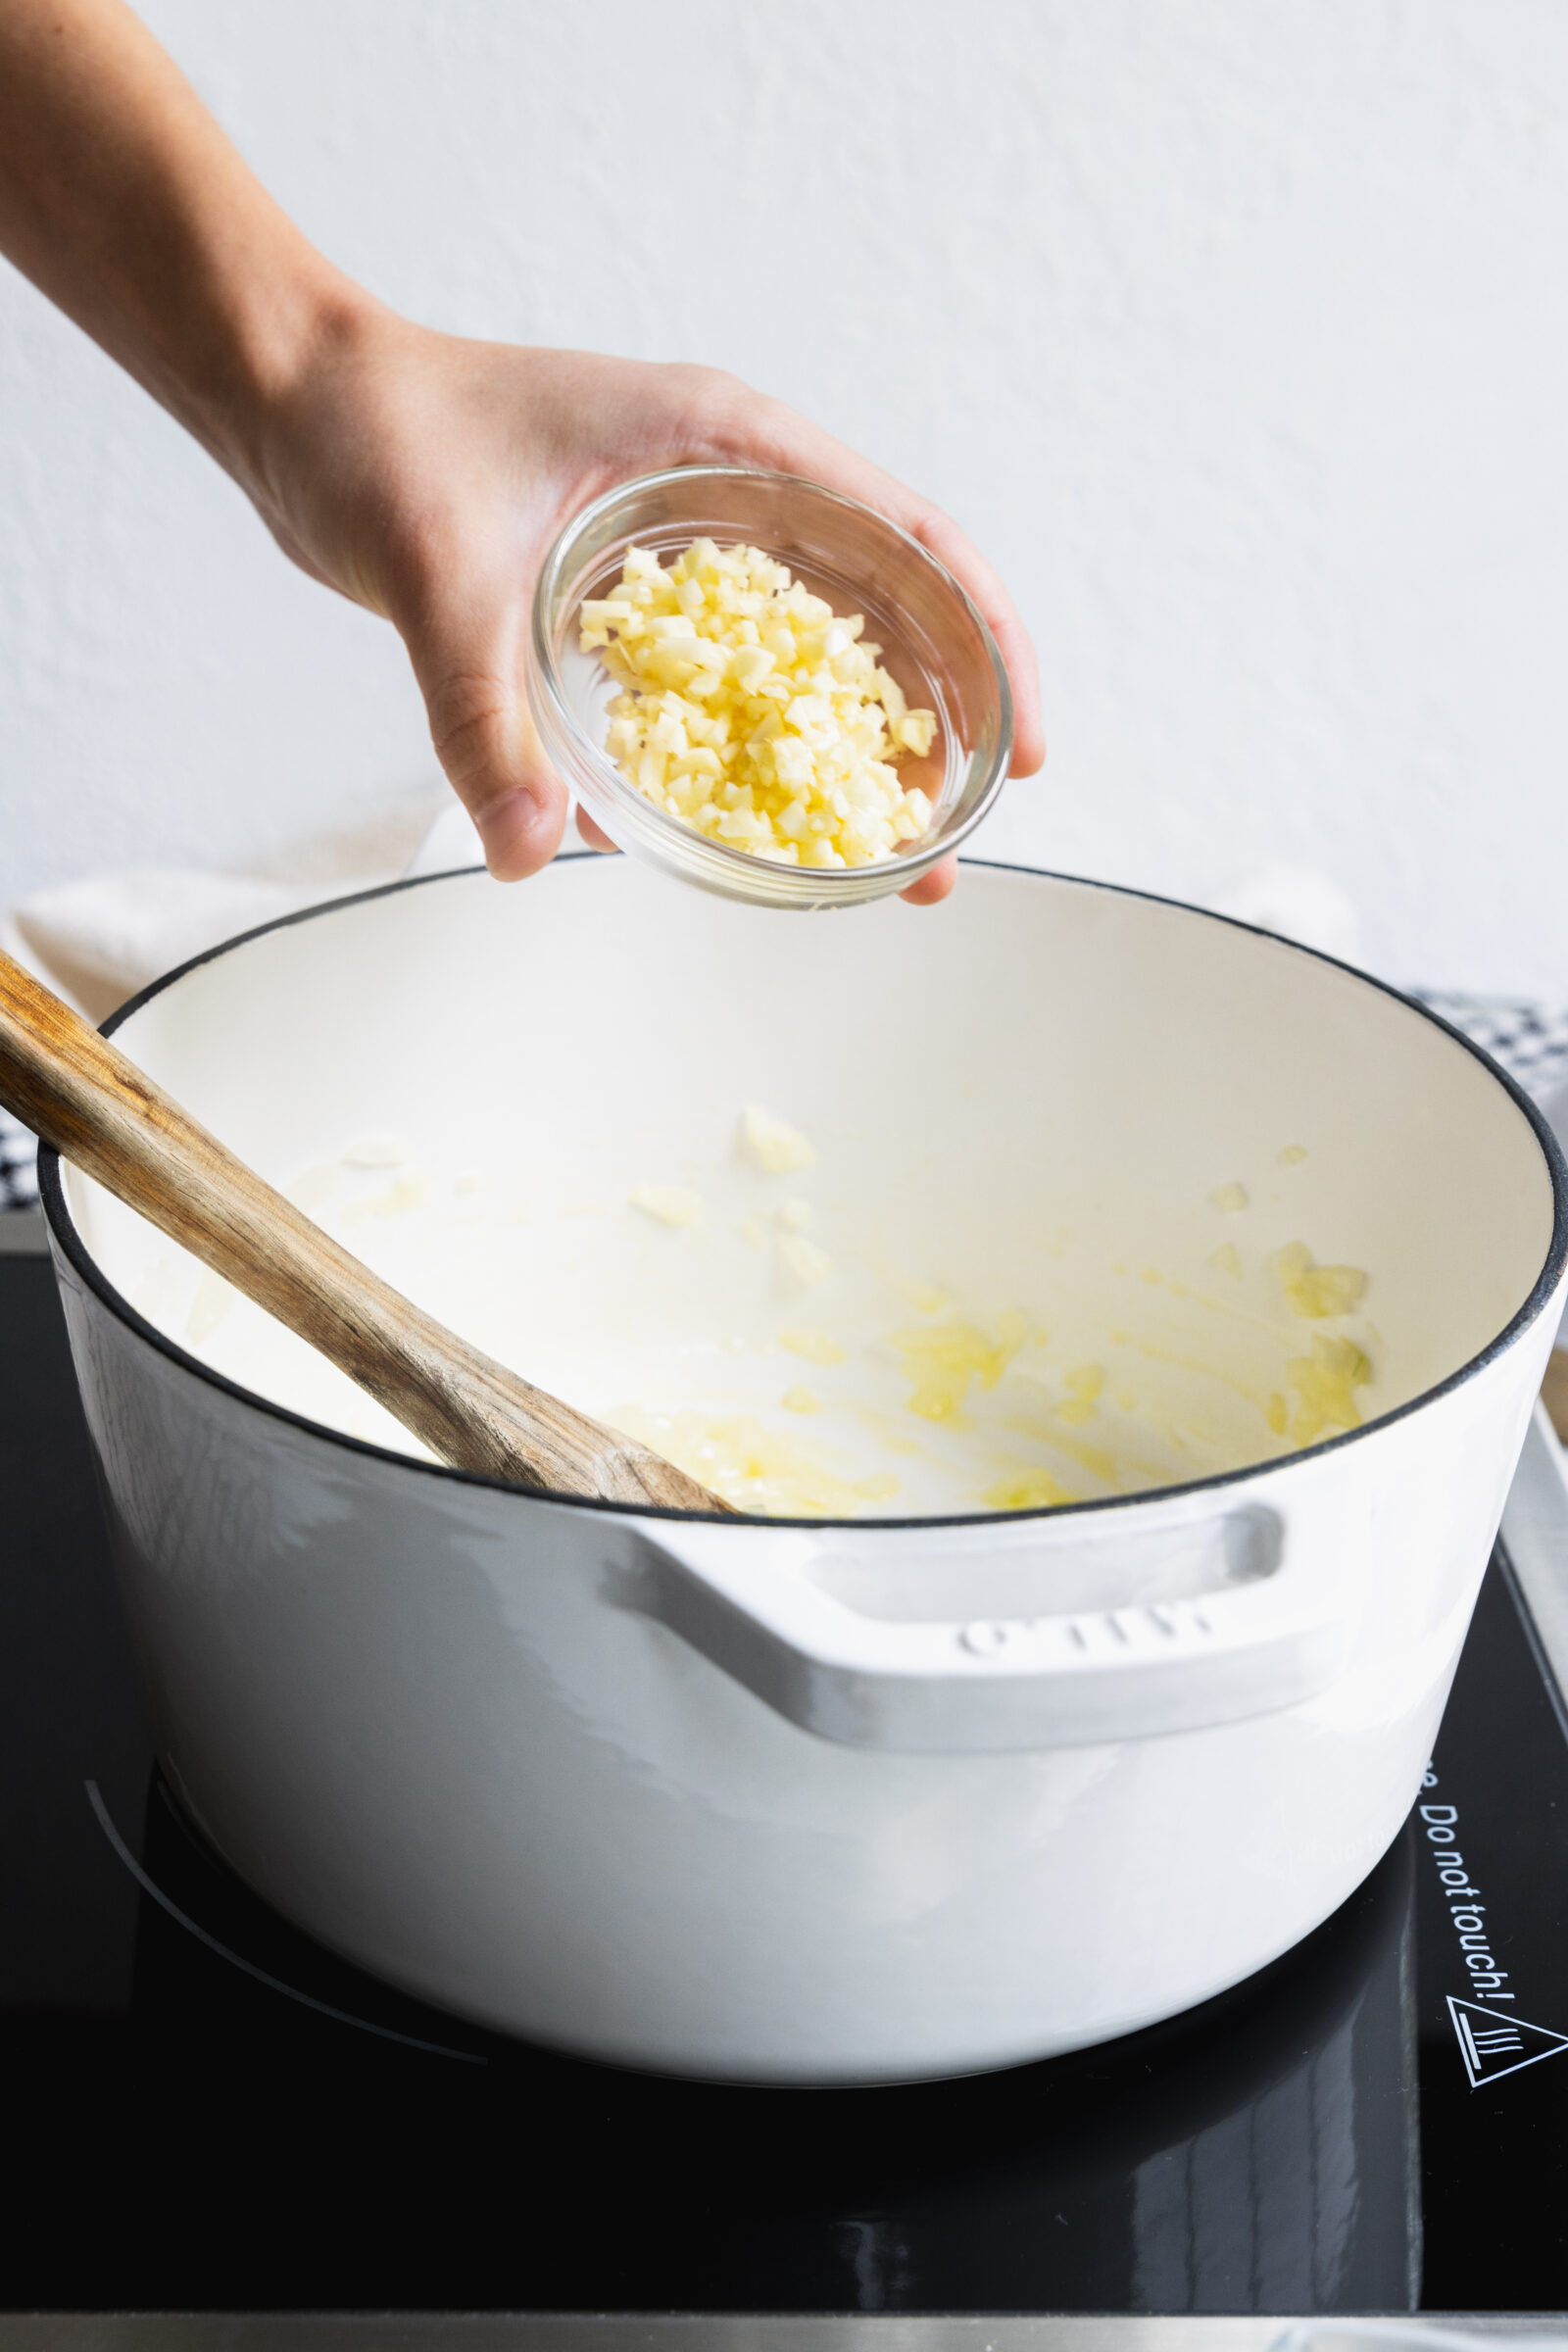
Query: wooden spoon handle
[[81, 1094]]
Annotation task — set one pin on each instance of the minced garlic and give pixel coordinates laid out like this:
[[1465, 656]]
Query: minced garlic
[[771, 1144], [1318, 1291], [804, 1260], [941, 1359], [668, 1203], [817, 1347], [751, 1466], [1083, 1387], [1323, 1382], [755, 712], [1028, 1489]]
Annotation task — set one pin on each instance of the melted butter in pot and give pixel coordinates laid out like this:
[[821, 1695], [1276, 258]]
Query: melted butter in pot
[[743, 1317]]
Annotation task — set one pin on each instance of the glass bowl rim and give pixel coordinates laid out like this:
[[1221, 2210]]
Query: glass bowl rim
[[908, 864]]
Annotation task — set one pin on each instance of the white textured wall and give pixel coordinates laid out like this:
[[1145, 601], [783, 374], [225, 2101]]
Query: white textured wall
[[1236, 330]]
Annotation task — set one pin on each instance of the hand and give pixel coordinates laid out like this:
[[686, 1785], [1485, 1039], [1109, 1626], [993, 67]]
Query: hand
[[425, 477], [418, 474]]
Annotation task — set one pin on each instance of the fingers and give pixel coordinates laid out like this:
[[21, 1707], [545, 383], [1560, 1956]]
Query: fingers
[[932, 888], [594, 835], [968, 566], [486, 740], [765, 432]]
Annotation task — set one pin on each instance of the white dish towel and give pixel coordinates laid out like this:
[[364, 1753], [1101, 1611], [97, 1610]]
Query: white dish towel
[[97, 941]]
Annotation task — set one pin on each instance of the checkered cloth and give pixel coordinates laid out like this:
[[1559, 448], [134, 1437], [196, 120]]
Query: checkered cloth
[[1528, 1041], [1531, 1044], [19, 1173]]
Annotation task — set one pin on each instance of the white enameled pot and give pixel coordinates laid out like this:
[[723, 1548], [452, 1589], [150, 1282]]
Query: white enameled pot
[[825, 1803]]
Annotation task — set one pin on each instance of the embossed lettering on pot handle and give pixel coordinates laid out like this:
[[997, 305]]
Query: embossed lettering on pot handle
[[812, 1623]]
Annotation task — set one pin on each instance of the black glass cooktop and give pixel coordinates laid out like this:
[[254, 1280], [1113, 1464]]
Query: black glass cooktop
[[206, 2110]]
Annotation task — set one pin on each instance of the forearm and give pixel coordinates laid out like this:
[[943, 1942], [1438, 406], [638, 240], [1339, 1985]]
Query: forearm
[[422, 476], [123, 201]]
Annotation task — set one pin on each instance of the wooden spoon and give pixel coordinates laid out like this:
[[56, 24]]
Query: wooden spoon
[[81, 1094]]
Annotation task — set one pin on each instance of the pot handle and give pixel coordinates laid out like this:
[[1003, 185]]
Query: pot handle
[[760, 1604]]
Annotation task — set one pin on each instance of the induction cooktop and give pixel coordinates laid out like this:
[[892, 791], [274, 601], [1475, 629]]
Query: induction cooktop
[[208, 2112]]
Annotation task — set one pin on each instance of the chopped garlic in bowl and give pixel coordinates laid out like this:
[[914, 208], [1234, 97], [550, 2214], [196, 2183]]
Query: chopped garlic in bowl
[[754, 711], [766, 688]]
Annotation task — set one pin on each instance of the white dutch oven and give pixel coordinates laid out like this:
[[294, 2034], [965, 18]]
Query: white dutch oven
[[825, 1803]]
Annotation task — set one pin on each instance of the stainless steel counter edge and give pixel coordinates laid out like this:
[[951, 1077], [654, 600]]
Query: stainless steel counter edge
[[1535, 1535], [716, 2332]]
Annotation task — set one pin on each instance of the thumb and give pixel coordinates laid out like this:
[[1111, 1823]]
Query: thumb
[[470, 671]]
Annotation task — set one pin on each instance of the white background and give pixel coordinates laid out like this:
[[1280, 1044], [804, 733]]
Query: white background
[[1235, 331]]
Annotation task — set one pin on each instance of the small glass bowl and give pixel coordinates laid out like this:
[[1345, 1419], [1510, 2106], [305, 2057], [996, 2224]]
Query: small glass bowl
[[934, 643]]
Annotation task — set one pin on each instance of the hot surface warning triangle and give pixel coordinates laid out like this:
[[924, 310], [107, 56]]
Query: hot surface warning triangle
[[1493, 2044]]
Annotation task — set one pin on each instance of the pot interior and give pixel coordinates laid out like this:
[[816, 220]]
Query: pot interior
[[1094, 1179]]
